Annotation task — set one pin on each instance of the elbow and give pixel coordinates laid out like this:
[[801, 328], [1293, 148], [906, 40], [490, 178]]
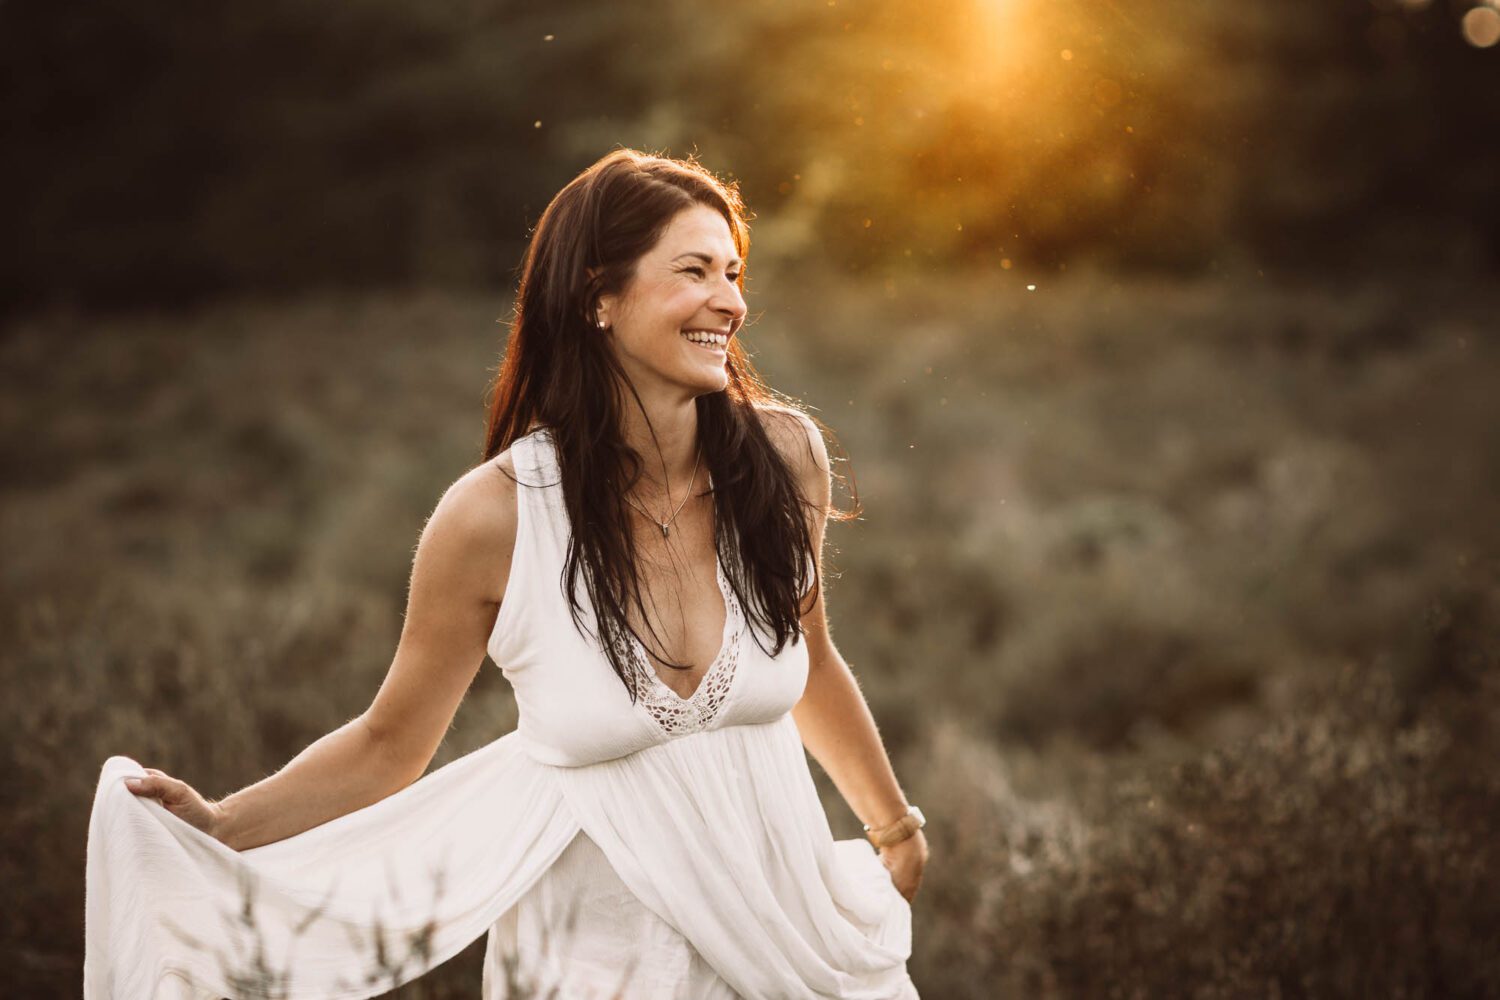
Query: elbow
[[395, 762]]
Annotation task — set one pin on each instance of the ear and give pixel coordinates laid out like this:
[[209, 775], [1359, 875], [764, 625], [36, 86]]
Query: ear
[[606, 302]]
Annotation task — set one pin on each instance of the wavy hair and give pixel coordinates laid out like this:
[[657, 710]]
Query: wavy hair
[[558, 372]]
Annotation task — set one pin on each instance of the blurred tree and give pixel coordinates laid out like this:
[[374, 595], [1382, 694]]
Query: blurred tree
[[158, 153]]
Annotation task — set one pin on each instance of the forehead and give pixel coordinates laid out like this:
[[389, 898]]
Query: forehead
[[698, 229]]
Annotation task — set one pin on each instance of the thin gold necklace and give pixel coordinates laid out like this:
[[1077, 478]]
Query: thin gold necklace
[[666, 526]]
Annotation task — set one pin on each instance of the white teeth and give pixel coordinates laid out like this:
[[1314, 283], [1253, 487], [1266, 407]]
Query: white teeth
[[704, 337]]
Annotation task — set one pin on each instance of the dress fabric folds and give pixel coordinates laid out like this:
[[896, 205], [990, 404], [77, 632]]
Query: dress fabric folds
[[668, 847]]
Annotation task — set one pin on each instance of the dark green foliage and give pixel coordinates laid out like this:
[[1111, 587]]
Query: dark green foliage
[[160, 153]]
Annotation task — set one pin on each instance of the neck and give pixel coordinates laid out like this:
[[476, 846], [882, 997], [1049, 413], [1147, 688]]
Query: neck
[[667, 458]]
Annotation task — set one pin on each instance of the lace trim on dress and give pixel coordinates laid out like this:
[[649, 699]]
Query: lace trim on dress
[[673, 714]]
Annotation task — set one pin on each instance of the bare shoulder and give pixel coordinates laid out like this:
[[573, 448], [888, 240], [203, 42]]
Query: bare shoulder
[[473, 526], [800, 442]]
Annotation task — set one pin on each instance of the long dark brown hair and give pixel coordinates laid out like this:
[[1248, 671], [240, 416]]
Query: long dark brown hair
[[558, 372]]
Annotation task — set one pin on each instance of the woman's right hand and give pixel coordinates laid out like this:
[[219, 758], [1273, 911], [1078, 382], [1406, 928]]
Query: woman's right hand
[[181, 800]]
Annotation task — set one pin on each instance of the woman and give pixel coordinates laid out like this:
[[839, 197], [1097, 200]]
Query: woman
[[649, 526]]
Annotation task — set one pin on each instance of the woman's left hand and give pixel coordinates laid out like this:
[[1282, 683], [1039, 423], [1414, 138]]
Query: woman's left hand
[[905, 861]]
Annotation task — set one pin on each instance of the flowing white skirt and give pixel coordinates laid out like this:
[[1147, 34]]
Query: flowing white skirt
[[709, 858], [583, 933]]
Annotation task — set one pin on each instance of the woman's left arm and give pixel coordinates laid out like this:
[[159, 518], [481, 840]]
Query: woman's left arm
[[833, 717]]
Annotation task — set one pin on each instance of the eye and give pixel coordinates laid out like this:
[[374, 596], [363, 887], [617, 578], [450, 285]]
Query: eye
[[695, 270], [733, 277]]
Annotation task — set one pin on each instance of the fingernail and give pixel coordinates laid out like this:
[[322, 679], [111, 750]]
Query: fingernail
[[133, 782]]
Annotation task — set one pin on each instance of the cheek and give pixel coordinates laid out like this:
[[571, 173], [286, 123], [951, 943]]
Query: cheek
[[679, 307], [662, 333], [654, 321], [654, 332]]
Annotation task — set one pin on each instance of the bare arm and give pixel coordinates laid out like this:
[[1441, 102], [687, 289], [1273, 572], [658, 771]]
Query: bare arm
[[833, 716], [336, 774], [458, 578]]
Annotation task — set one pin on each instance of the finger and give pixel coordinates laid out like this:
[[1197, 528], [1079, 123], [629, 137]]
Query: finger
[[152, 786]]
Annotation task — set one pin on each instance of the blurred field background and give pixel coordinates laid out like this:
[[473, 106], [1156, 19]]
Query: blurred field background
[[1160, 337]]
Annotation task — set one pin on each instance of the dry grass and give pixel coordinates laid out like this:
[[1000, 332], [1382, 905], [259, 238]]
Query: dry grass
[[1177, 603]]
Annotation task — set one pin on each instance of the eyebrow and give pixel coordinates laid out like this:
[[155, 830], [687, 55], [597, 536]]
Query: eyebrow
[[733, 261]]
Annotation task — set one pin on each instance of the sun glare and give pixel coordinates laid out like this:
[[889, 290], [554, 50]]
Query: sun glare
[[999, 36]]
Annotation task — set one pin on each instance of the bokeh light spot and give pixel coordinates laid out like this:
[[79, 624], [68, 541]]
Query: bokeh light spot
[[1482, 27]]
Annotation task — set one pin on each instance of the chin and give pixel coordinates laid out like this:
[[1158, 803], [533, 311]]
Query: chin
[[703, 386], [708, 389]]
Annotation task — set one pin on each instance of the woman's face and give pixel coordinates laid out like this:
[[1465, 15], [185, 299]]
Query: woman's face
[[672, 322]]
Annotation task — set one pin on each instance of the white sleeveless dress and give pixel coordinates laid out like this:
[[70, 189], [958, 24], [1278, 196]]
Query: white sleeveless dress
[[670, 848]]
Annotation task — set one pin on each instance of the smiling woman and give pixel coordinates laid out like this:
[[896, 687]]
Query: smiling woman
[[679, 294], [640, 553]]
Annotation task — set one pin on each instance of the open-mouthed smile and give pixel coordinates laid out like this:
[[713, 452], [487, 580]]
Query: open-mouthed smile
[[709, 340]]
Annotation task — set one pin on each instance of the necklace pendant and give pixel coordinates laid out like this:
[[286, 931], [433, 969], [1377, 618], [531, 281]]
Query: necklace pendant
[[664, 529]]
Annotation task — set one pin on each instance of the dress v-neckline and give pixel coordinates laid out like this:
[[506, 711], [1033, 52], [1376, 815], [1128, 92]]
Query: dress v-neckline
[[726, 640]]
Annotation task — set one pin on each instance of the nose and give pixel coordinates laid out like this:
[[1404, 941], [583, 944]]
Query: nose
[[729, 303]]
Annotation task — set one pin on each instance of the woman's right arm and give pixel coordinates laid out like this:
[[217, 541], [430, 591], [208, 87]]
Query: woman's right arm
[[457, 583]]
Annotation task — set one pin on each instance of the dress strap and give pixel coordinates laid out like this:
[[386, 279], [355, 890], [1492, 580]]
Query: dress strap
[[536, 561]]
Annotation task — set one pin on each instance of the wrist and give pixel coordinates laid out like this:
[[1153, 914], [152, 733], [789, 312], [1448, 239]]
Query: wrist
[[916, 842], [219, 826], [900, 829], [889, 815]]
